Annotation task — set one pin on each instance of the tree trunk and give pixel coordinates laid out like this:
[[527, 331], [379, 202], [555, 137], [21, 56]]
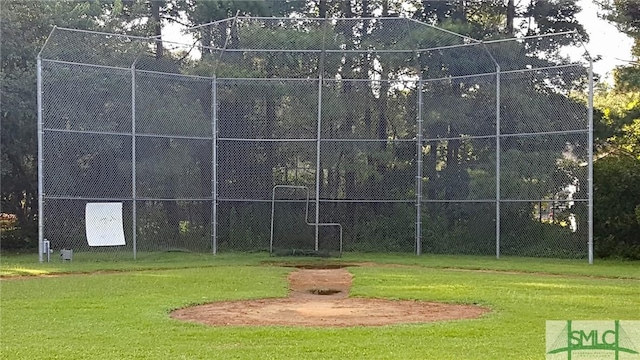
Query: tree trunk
[[382, 114], [171, 207], [382, 124], [173, 220], [206, 41], [452, 169], [365, 10], [511, 13], [459, 12], [270, 103], [349, 121], [269, 100], [322, 9], [366, 68], [157, 25], [203, 93], [234, 38], [432, 170], [382, 99]]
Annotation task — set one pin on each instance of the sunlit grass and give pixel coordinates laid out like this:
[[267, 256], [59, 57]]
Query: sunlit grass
[[27, 264], [23, 271], [121, 310], [12, 265]]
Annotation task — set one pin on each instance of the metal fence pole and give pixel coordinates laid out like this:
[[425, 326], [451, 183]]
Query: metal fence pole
[[134, 216], [214, 165], [419, 172], [590, 163], [40, 163], [319, 135], [497, 161], [318, 169]]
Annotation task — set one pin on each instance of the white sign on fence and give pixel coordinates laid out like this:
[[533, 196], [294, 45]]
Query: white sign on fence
[[104, 224]]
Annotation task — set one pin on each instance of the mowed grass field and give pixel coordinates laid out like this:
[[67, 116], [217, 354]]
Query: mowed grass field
[[120, 309]]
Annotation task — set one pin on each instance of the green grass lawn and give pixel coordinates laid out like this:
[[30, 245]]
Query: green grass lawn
[[120, 311]]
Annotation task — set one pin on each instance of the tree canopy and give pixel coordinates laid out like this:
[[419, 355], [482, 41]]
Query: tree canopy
[[617, 170], [457, 166]]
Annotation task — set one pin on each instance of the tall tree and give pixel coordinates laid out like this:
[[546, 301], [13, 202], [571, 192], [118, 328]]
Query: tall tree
[[617, 170], [25, 26], [625, 14], [147, 17]]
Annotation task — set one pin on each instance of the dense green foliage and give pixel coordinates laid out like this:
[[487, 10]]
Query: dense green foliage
[[125, 314], [617, 171], [617, 216]]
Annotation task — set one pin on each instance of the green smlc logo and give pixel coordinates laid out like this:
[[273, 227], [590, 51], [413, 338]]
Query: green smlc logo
[[573, 340]]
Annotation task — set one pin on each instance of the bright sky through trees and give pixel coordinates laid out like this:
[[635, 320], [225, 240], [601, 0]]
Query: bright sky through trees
[[604, 40]]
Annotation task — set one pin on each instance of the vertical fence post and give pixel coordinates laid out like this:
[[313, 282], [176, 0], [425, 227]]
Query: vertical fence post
[[134, 216], [318, 169], [40, 162], [590, 164], [214, 165], [419, 172], [319, 133], [497, 161]]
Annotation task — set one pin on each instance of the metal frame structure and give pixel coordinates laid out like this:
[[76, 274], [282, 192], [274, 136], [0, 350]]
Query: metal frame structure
[[215, 81], [306, 216]]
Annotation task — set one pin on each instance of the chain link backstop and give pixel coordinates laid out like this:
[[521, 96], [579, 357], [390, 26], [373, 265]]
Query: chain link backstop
[[413, 138]]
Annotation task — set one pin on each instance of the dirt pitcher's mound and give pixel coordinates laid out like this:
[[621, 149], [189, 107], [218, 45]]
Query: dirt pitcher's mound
[[319, 298]]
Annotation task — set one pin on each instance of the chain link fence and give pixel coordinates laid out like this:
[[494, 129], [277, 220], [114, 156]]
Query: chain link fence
[[413, 138]]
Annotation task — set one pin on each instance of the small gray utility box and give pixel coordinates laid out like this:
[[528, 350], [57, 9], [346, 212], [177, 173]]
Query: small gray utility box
[[66, 254]]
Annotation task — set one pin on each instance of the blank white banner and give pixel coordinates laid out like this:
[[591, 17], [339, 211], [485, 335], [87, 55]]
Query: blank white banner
[[104, 224]]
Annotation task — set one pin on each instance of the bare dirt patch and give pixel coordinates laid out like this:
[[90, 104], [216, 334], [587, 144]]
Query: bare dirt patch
[[319, 297]]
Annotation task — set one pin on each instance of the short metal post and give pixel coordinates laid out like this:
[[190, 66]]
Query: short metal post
[[46, 248]]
